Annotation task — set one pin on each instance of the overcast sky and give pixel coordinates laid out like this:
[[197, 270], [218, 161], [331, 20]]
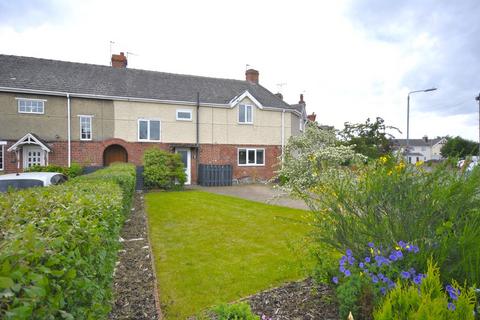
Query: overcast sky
[[351, 59]]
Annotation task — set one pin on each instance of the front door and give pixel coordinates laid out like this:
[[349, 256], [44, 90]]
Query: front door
[[32, 156], [185, 154]]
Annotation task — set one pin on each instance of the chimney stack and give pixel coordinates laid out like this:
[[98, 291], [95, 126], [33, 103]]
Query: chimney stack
[[279, 95], [301, 99], [119, 60], [312, 117], [251, 75], [425, 138]]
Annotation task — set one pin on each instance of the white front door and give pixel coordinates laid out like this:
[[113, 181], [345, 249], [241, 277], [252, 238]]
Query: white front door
[[185, 154], [33, 155]]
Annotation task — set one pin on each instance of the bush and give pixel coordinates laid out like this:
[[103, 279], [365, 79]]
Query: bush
[[71, 172], [428, 301], [58, 246], [163, 170], [238, 311]]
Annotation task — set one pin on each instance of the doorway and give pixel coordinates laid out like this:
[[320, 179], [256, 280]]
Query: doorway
[[114, 153], [186, 154]]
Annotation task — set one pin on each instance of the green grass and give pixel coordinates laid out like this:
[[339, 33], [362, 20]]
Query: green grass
[[211, 249]]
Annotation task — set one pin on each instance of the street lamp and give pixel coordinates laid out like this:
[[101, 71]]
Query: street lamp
[[408, 113]]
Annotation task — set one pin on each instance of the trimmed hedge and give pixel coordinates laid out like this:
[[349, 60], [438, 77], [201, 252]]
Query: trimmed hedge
[[58, 246], [71, 172]]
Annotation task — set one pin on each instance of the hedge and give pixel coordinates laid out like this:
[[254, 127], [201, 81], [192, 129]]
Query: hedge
[[58, 246]]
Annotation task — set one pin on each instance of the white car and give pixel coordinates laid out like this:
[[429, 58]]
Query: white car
[[30, 179]]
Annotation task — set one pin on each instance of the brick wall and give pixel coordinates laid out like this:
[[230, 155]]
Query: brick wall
[[91, 153]]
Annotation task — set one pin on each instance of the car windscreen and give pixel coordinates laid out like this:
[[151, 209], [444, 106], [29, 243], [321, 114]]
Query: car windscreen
[[5, 185]]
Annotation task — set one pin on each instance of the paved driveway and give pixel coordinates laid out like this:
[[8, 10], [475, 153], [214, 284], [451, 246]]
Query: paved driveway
[[257, 192]]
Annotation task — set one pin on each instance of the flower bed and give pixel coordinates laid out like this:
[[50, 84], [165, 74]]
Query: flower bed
[[58, 246]]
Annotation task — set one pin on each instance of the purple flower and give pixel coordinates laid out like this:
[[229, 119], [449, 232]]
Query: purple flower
[[452, 292], [402, 244], [367, 259], [342, 269], [417, 279], [343, 260], [412, 271], [335, 280], [361, 265], [347, 273], [414, 249], [451, 306], [392, 257], [405, 274], [351, 260], [381, 276], [349, 252], [375, 279], [398, 254], [371, 244], [383, 290], [391, 284]]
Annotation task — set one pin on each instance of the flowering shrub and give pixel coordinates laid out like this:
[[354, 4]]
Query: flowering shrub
[[428, 300], [363, 278]]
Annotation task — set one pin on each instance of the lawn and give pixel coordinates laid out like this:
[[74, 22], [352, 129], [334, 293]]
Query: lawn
[[210, 248]]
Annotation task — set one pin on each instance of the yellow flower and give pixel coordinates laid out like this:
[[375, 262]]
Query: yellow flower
[[419, 163], [383, 159], [389, 173]]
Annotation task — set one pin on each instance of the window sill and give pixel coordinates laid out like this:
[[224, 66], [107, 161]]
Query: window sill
[[245, 123], [148, 140], [23, 112], [189, 120], [250, 165]]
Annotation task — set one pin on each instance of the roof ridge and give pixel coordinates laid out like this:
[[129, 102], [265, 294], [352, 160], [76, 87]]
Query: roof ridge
[[132, 69]]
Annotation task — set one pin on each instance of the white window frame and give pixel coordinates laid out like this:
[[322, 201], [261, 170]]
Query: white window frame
[[185, 111], [250, 164], [90, 117], [2, 151], [148, 130], [28, 99], [246, 120]]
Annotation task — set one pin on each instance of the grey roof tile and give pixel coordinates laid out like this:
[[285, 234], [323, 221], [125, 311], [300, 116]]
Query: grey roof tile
[[82, 78]]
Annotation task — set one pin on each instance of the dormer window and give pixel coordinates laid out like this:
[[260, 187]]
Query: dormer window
[[31, 106], [245, 114]]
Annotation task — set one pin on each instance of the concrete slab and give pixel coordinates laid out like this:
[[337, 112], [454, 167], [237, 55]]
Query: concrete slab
[[257, 192]]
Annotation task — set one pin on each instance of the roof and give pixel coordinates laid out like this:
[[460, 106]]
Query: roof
[[80, 78], [417, 142]]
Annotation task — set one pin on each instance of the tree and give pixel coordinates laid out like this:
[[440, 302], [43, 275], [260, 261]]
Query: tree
[[369, 138], [459, 147]]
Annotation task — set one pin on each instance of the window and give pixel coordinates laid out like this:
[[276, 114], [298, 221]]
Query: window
[[148, 130], [30, 106], [251, 157], [2, 156], [245, 114], [184, 115], [85, 127]]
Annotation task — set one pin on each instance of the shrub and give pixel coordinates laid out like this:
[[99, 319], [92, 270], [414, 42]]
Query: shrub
[[428, 301], [71, 172], [58, 246], [238, 311], [163, 170]]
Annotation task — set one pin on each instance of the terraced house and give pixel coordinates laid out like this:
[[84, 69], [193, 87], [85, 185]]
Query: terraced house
[[56, 112]]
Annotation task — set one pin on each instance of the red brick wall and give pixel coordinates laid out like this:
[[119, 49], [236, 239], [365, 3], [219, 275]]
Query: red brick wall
[[91, 153]]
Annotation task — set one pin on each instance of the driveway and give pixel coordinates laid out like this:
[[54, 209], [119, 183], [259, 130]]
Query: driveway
[[257, 192]]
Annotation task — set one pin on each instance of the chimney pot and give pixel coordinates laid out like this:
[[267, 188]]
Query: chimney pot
[[312, 117], [252, 75], [119, 60]]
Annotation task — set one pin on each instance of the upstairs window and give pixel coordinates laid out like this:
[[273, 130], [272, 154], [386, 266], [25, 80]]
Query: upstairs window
[[184, 115], [148, 130], [251, 157], [85, 127], [31, 106], [245, 114]]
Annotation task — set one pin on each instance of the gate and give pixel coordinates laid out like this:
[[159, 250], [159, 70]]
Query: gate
[[210, 175]]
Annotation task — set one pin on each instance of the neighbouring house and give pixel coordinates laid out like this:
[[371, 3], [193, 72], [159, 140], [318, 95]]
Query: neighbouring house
[[424, 149], [57, 112]]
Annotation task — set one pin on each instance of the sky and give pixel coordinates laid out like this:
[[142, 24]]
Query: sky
[[352, 60]]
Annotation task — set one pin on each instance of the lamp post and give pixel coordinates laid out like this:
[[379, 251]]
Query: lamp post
[[478, 99], [408, 114]]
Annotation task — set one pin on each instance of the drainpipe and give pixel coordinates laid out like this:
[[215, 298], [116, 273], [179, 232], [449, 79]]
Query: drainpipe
[[283, 133], [197, 150], [69, 138]]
